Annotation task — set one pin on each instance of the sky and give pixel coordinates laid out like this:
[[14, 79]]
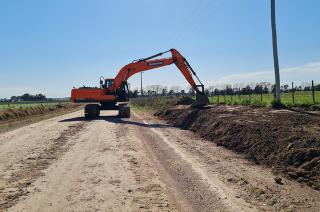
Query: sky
[[49, 46]]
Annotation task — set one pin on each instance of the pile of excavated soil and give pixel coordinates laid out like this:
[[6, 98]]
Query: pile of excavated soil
[[287, 141], [23, 112]]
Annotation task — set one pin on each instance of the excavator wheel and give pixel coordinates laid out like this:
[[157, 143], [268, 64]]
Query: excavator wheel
[[91, 111], [124, 111]]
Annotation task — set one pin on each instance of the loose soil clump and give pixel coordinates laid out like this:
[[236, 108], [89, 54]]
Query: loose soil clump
[[286, 141]]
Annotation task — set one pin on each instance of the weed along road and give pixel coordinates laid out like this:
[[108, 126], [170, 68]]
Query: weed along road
[[67, 163]]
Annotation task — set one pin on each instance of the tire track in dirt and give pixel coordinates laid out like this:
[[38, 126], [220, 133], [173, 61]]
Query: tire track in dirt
[[146, 178], [242, 182], [107, 170], [15, 186], [190, 187]]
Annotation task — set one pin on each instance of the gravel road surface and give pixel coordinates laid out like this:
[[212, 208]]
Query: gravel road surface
[[67, 163]]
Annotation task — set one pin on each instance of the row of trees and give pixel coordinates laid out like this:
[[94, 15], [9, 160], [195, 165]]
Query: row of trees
[[227, 89], [25, 97]]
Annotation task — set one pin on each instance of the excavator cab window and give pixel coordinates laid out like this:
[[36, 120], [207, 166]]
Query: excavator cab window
[[108, 83]]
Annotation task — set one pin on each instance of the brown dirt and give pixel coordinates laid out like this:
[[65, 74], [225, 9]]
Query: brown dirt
[[287, 141], [32, 167], [70, 164], [18, 113], [17, 117], [67, 163]]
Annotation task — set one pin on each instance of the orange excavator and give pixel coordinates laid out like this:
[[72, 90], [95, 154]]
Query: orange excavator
[[113, 94]]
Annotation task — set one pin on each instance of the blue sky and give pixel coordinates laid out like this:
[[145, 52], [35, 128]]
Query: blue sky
[[49, 46]]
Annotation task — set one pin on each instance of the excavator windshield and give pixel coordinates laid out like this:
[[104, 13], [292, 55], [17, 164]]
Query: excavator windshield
[[108, 83]]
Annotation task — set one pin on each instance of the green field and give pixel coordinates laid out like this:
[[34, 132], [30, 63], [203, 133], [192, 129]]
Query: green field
[[27, 104], [300, 98]]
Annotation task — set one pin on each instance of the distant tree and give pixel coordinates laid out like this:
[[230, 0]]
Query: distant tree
[[176, 89], [211, 89], [247, 90], [207, 92], [228, 90], [171, 92], [28, 97], [157, 88], [39, 97], [257, 89], [164, 91], [133, 94], [285, 88], [149, 92], [191, 92]]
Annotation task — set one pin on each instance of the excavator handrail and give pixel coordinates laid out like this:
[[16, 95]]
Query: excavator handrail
[[153, 56]]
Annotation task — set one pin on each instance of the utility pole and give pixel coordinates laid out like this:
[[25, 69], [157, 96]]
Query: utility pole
[[275, 50], [141, 91]]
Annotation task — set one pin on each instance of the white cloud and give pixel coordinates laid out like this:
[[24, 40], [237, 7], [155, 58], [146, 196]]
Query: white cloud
[[308, 72]]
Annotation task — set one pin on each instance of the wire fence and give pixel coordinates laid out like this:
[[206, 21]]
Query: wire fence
[[296, 98], [293, 95]]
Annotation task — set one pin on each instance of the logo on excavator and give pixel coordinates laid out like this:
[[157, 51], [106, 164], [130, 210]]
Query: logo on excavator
[[155, 64]]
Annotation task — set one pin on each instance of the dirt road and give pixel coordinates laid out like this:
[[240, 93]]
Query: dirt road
[[139, 164]]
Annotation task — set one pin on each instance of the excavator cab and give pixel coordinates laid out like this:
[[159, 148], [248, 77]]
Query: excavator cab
[[106, 83]]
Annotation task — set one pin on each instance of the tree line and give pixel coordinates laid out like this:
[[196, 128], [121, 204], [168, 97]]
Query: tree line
[[25, 97]]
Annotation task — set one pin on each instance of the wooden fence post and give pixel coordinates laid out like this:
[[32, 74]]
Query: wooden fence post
[[232, 96], [261, 92], [292, 91], [314, 101]]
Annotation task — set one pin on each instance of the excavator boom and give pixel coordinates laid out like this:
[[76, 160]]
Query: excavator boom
[[148, 64]]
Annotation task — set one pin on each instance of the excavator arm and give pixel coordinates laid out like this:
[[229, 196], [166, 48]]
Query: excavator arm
[[149, 63]]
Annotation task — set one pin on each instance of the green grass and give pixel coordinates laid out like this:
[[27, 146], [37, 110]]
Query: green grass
[[4, 106], [300, 97]]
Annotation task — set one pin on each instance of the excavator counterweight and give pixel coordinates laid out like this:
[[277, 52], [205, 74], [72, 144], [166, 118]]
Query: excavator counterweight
[[113, 94]]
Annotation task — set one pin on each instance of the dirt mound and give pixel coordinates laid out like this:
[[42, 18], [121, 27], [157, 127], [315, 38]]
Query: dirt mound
[[287, 141], [22, 112], [160, 103], [186, 100]]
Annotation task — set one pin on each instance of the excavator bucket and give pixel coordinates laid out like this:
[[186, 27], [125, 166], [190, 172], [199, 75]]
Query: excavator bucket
[[201, 101]]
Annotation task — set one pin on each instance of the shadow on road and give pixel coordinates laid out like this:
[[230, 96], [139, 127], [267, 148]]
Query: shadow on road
[[116, 120]]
